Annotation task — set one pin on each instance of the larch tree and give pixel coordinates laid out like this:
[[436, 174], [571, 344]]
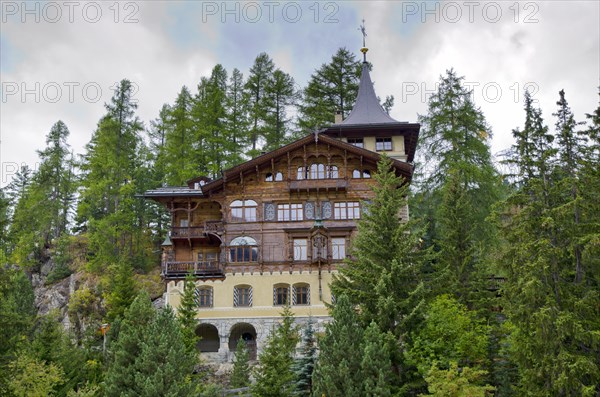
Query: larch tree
[[331, 88], [180, 142], [259, 78]]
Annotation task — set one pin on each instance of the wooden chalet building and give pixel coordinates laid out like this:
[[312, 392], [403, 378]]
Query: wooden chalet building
[[276, 228]]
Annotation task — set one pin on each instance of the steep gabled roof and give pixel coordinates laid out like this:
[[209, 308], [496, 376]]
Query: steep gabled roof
[[405, 169], [367, 109]]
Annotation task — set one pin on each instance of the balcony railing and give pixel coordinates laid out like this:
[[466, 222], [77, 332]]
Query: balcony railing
[[314, 184], [197, 269], [197, 231]]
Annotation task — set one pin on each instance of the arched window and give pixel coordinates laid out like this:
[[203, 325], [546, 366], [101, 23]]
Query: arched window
[[356, 174], [317, 171], [301, 294], [281, 294], [243, 249], [242, 295], [277, 178], [366, 174], [243, 211], [204, 296]]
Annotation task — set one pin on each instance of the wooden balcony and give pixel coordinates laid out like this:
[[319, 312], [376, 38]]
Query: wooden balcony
[[319, 184], [178, 270], [197, 231]]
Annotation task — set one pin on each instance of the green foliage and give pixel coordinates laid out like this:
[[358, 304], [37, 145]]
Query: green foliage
[[337, 372], [331, 88], [456, 382], [240, 376], [274, 374], [304, 363], [382, 275], [186, 313], [259, 78], [449, 333], [31, 377], [149, 356], [376, 365], [121, 291], [17, 314], [550, 230]]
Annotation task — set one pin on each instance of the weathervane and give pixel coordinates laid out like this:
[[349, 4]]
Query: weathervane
[[364, 48]]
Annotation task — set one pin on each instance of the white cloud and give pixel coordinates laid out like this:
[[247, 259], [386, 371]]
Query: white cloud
[[175, 44]]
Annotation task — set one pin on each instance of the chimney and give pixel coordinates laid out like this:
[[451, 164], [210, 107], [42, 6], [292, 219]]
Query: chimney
[[338, 117]]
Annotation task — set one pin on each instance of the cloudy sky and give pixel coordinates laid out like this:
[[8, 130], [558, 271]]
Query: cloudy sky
[[59, 60]]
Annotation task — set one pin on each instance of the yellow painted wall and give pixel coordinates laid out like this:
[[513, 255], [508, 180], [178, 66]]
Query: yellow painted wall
[[262, 294], [397, 152]]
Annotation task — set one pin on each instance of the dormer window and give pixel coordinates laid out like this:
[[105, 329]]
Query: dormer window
[[383, 144], [358, 142], [277, 178]]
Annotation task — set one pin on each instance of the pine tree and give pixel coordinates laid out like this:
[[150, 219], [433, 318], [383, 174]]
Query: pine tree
[[338, 369], [186, 313], [240, 376], [376, 365], [121, 290], [332, 88], [274, 375], [304, 364]]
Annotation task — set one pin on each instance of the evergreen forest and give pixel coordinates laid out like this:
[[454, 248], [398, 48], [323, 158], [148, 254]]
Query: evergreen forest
[[491, 289]]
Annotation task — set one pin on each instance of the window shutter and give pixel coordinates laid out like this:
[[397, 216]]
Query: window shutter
[[236, 294], [294, 300], [197, 296], [250, 296], [210, 297], [308, 294], [274, 295]]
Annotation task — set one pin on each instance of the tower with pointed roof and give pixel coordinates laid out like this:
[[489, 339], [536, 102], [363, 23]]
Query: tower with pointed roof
[[275, 229]]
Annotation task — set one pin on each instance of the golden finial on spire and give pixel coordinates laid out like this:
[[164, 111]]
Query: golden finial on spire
[[364, 48]]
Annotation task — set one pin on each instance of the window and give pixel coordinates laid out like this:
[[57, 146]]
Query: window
[[333, 172], [243, 211], [301, 173], [278, 177], [300, 249], [184, 223], [243, 249], [338, 248], [281, 294], [203, 296], [358, 142], [290, 212], [358, 174], [350, 210], [317, 171], [242, 295], [301, 294], [207, 258], [382, 144]]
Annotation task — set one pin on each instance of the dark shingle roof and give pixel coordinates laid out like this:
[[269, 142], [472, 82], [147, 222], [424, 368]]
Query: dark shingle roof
[[367, 109]]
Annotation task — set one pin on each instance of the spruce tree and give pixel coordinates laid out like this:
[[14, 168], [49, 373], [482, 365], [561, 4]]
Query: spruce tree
[[304, 363], [274, 374], [382, 274], [237, 121], [186, 313], [552, 308], [280, 95], [240, 376], [338, 369]]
